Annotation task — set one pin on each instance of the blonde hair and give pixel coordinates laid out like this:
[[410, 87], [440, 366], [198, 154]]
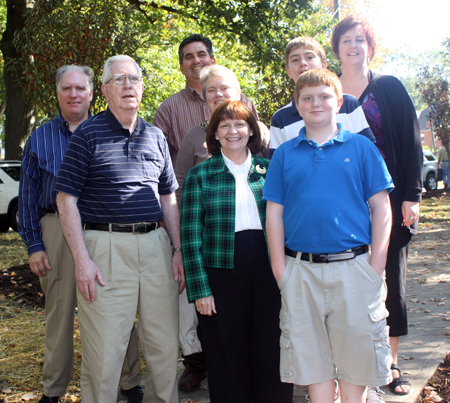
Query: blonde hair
[[220, 71]]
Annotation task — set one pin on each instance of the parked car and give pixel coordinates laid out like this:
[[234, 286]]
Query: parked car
[[9, 190], [430, 170]]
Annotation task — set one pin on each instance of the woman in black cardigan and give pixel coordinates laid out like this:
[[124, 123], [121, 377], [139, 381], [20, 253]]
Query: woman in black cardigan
[[392, 118]]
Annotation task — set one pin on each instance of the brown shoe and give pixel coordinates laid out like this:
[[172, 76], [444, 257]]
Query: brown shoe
[[191, 378]]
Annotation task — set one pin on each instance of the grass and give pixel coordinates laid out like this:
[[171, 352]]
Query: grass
[[435, 210], [13, 251]]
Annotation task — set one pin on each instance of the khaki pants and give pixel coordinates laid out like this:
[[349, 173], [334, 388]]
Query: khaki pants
[[138, 274], [60, 300], [190, 344]]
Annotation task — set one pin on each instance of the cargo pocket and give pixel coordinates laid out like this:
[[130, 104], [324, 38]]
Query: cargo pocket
[[285, 359], [380, 335]]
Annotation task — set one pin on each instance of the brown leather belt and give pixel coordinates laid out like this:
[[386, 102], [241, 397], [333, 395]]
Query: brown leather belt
[[329, 257], [137, 228]]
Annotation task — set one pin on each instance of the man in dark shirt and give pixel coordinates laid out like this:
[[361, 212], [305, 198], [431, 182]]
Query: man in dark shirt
[[116, 185], [40, 229]]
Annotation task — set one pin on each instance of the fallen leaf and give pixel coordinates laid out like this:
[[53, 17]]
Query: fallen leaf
[[6, 391], [28, 396], [423, 281]]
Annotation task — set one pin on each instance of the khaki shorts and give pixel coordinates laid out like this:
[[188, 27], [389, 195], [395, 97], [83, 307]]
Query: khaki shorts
[[333, 323]]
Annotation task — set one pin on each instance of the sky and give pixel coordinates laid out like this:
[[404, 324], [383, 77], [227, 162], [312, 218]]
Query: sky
[[422, 24]]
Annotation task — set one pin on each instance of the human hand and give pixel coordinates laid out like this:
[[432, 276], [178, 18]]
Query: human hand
[[410, 212], [85, 275], [178, 270], [39, 262], [206, 306]]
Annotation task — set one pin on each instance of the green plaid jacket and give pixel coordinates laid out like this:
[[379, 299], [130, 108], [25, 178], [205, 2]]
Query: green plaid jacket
[[208, 218]]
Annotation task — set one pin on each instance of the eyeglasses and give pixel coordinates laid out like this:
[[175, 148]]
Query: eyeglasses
[[119, 79]]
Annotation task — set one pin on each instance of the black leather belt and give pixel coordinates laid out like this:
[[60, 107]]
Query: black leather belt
[[138, 228], [329, 257]]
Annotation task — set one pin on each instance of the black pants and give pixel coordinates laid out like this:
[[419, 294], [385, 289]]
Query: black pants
[[396, 280], [241, 341]]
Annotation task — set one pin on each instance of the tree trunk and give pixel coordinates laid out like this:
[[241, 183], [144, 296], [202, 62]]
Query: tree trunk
[[19, 111]]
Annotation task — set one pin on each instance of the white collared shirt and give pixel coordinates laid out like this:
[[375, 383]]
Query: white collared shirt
[[247, 215]]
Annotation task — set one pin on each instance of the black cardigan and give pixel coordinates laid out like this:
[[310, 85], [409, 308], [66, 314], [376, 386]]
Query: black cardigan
[[402, 140]]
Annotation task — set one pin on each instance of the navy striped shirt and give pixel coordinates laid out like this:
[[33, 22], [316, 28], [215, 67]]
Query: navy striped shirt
[[117, 177], [41, 160]]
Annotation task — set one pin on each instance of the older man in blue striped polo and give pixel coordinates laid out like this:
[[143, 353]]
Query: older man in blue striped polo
[[40, 228], [116, 186]]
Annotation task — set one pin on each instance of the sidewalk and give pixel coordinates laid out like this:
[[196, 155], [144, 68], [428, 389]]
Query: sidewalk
[[428, 299]]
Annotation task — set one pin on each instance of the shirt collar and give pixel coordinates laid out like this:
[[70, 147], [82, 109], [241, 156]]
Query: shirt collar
[[194, 94], [341, 137], [64, 125], [235, 169], [115, 125]]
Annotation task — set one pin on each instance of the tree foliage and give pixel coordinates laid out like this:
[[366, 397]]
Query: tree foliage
[[72, 32], [435, 89], [405, 63], [249, 37]]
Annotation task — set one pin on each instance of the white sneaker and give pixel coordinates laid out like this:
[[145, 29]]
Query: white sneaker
[[374, 395]]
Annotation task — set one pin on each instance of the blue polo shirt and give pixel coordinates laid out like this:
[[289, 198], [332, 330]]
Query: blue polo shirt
[[324, 190], [117, 177]]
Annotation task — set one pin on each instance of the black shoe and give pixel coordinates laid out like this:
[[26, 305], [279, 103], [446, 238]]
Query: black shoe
[[191, 378], [48, 399], [134, 395]]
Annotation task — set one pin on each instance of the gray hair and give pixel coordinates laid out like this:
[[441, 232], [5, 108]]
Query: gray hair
[[221, 71], [106, 76], [86, 70]]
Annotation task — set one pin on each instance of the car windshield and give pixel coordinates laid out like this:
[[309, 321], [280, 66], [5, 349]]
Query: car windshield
[[13, 172]]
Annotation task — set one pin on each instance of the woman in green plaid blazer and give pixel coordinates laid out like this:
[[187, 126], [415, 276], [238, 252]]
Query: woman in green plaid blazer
[[226, 262]]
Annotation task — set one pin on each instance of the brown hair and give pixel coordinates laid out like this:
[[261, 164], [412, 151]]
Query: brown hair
[[349, 23], [230, 109], [316, 77], [304, 42]]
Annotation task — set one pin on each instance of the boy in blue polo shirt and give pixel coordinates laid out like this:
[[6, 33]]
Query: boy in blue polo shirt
[[318, 189], [303, 54]]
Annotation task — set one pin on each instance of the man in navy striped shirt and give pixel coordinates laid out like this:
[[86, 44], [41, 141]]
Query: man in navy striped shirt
[[116, 184], [40, 229]]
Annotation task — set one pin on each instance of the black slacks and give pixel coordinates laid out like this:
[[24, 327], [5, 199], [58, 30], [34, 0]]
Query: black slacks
[[241, 341], [396, 280]]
